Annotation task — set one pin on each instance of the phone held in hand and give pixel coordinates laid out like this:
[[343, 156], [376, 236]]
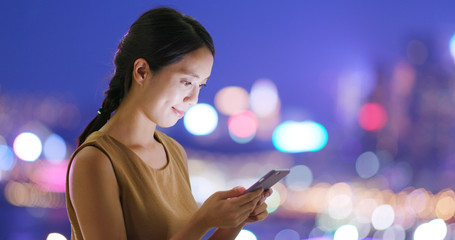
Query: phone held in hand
[[269, 179]]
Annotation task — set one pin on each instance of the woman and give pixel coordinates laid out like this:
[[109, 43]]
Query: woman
[[127, 180]]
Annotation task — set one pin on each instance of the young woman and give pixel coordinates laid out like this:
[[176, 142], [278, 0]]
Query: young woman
[[127, 180]]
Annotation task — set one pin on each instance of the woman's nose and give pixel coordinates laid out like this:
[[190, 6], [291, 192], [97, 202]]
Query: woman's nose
[[192, 96]]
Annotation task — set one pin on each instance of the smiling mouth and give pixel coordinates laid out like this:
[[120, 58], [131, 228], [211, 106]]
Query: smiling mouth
[[178, 112]]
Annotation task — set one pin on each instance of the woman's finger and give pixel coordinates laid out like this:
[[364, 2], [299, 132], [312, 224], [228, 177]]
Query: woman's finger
[[248, 197], [259, 209]]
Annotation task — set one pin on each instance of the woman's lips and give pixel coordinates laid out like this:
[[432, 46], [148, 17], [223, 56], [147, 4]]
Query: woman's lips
[[178, 112]]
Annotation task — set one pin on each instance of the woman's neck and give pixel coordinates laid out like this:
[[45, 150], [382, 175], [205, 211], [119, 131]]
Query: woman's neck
[[130, 126]]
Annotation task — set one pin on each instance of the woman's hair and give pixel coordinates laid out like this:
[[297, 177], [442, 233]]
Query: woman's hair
[[161, 36]]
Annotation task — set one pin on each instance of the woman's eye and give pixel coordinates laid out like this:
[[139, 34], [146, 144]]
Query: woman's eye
[[202, 85], [187, 83]]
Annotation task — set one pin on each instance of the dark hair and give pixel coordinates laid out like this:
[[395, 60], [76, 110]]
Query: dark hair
[[161, 36]]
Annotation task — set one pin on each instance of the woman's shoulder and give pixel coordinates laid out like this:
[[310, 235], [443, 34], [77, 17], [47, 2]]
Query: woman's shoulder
[[90, 160]]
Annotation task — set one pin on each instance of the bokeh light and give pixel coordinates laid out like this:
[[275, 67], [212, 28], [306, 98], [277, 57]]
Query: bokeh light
[[367, 165], [436, 229], [28, 195], [299, 178], [242, 126], [417, 200], [201, 119], [54, 148], [55, 236], [27, 146], [287, 234], [353, 87], [346, 232], [363, 226], [394, 233], [294, 137], [403, 81], [50, 177], [340, 206], [264, 98], [6, 158], [452, 46], [372, 116], [273, 202], [445, 207], [245, 235], [326, 223], [383, 217], [201, 188], [232, 100], [205, 178]]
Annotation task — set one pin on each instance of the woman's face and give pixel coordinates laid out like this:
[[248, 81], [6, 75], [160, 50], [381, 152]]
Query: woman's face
[[169, 93]]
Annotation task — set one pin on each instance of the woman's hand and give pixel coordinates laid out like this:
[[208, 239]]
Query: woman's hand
[[260, 212], [227, 209]]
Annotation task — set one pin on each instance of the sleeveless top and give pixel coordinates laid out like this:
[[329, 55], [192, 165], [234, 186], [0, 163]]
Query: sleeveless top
[[156, 203]]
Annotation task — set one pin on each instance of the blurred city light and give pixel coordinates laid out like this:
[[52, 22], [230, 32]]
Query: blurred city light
[[54, 148], [352, 88], [452, 46], [232, 100], [287, 234], [436, 229], [383, 217], [340, 206], [27, 146], [445, 207], [299, 178], [264, 97], [346, 232], [55, 236], [367, 165], [201, 119], [6, 158], [246, 235], [294, 137], [28, 195], [50, 177], [372, 116], [394, 233], [273, 202], [242, 126], [202, 188]]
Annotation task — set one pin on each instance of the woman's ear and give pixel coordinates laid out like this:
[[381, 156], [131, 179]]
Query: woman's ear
[[141, 71]]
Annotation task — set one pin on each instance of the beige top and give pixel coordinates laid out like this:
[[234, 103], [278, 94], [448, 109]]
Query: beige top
[[155, 202]]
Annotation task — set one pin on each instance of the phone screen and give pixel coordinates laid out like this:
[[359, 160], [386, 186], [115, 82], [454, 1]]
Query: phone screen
[[269, 179]]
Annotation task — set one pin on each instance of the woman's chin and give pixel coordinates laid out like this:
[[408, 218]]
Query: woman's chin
[[167, 124]]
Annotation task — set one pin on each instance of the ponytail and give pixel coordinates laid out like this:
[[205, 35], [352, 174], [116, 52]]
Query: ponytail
[[111, 102]]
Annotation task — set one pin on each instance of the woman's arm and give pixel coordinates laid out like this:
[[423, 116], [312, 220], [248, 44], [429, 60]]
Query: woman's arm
[[227, 233], [94, 194]]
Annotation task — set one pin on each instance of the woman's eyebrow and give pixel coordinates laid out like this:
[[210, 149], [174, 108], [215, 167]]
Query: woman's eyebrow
[[193, 75]]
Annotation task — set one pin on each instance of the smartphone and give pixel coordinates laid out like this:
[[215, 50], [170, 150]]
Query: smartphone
[[269, 179]]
